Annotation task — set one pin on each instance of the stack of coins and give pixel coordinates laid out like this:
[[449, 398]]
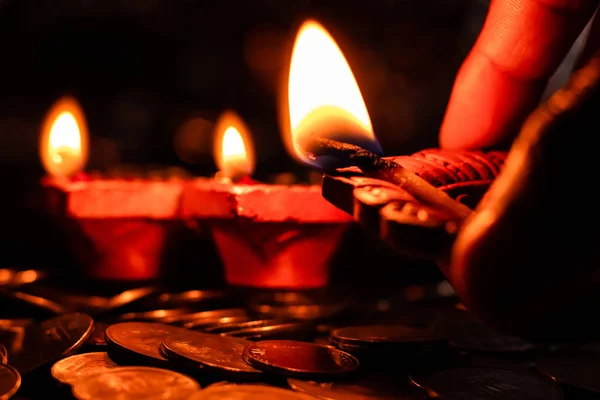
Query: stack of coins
[[139, 343], [179, 348], [386, 339], [218, 354]]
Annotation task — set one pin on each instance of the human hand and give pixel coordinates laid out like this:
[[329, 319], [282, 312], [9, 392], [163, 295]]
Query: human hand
[[527, 261]]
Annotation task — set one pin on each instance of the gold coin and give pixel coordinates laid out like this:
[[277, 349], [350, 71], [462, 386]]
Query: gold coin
[[133, 383], [248, 392], [69, 370]]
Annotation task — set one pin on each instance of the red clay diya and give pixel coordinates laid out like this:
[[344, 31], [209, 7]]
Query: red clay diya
[[268, 236], [117, 229]]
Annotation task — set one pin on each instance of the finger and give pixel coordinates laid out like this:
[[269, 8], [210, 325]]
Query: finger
[[501, 81], [525, 261]]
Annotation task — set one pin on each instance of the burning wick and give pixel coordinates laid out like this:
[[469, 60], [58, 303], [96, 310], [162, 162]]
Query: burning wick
[[65, 142], [234, 153], [64, 139], [328, 118], [235, 162], [386, 170]]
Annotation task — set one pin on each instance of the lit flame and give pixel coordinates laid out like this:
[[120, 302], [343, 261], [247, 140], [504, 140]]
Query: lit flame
[[323, 98], [64, 140], [234, 154]]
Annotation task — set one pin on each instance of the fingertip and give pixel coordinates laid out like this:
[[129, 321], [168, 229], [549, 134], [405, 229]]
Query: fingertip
[[504, 76], [487, 105]]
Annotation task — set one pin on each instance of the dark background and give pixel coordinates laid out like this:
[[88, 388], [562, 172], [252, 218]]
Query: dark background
[[142, 68]]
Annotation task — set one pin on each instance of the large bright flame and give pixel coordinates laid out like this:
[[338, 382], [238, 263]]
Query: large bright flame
[[64, 139], [234, 154], [323, 96]]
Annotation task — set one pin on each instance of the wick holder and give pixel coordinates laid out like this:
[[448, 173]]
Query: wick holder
[[391, 213]]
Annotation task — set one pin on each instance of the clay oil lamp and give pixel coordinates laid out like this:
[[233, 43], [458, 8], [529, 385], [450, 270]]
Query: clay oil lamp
[[268, 236], [117, 228]]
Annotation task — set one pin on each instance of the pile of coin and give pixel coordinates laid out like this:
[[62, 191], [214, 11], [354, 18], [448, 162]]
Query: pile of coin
[[175, 348], [40, 344]]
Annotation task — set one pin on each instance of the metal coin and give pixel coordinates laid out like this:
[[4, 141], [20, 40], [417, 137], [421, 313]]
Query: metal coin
[[227, 383], [294, 331], [204, 317], [12, 333], [576, 367], [248, 392], [301, 312], [10, 381], [202, 324], [21, 303], [13, 278], [141, 338], [97, 337], [69, 370], [93, 305], [237, 326], [162, 351], [299, 359], [153, 315], [8, 324], [465, 332], [367, 388], [128, 297], [487, 383], [126, 383], [298, 306], [385, 338], [51, 340], [192, 299], [209, 350], [3, 354], [220, 383]]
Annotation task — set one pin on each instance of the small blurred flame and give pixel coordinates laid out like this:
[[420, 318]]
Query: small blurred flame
[[234, 154], [323, 97], [64, 139]]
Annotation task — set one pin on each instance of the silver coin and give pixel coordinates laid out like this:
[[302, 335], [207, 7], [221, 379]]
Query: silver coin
[[133, 383], [248, 392], [69, 370]]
